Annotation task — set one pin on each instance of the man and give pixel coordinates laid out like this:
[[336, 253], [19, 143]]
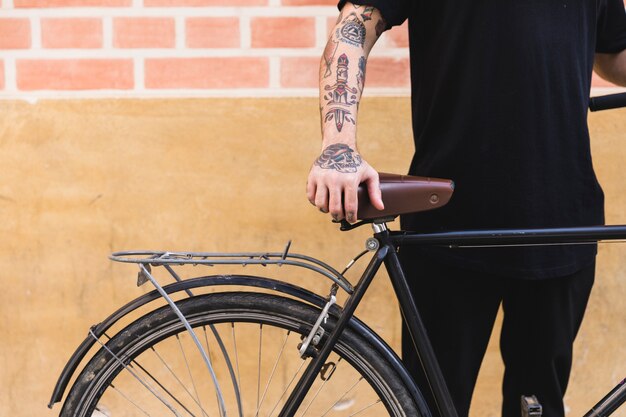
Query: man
[[499, 98]]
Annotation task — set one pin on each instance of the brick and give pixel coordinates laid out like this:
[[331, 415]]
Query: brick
[[71, 3], [144, 32], [71, 33], [387, 72], [283, 32], [212, 32], [15, 34], [299, 72], [597, 81], [309, 2], [201, 3], [74, 74], [207, 73]]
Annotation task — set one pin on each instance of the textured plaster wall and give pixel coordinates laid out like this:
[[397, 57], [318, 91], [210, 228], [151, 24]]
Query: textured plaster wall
[[79, 179]]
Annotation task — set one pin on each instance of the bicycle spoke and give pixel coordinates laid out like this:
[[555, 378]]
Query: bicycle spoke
[[146, 384], [129, 400], [269, 380], [258, 389], [229, 365], [193, 382], [145, 371], [236, 358], [287, 388], [365, 408], [174, 375], [343, 396], [152, 390], [208, 349], [318, 391]]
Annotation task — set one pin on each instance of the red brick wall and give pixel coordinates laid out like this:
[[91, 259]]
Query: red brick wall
[[83, 48]]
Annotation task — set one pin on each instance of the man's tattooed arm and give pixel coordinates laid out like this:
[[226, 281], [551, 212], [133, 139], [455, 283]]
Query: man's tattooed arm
[[342, 71], [334, 178]]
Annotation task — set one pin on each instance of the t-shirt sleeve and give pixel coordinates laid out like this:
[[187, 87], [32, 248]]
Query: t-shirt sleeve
[[611, 27], [395, 12]]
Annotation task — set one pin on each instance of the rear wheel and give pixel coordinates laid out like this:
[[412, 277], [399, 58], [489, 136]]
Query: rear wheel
[[153, 368]]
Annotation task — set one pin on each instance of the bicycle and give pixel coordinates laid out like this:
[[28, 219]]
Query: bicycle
[[322, 359]]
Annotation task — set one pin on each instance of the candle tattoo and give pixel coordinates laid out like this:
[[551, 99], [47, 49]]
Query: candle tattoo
[[340, 96]]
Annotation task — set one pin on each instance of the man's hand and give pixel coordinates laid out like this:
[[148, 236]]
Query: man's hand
[[334, 180]]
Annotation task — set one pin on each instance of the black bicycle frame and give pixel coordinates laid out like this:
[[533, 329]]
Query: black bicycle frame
[[388, 243]]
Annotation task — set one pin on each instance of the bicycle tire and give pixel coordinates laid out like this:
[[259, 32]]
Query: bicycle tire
[[242, 312]]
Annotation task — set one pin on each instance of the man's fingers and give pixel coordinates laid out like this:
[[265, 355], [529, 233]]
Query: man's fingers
[[310, 191], [373, 190], [321, 198], [335, 206], [337, 192], [350, 203]]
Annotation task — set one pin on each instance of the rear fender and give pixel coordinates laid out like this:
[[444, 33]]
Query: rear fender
[[225, 280]]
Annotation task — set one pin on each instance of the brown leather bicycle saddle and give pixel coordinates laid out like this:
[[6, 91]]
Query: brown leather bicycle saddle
[[405, 194]]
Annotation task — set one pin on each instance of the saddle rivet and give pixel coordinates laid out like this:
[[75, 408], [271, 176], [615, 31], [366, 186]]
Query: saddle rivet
[[434, 199]]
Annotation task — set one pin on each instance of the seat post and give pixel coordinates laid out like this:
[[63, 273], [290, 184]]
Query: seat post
[[379, 227]]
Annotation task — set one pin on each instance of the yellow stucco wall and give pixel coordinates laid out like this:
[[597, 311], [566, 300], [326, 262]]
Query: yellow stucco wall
[[79, 179]]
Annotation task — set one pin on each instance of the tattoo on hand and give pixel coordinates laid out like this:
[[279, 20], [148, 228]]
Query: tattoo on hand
[[352, 31], [341, 96], [339, 157]]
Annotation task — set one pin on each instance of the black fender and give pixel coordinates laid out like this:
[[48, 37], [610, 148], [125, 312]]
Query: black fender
[[240, 280]]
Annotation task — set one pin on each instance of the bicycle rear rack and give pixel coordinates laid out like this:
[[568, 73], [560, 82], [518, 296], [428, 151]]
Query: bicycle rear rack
[[149, 258]]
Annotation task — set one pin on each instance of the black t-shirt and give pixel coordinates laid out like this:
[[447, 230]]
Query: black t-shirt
[[500, 90]]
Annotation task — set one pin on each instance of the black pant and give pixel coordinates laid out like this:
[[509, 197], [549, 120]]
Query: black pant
[[458, 307]]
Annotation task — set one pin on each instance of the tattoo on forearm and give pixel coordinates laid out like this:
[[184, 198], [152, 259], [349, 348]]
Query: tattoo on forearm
[[329, 55], [339, 157], [340, 96], [360, 77], [352, 31], [367, 13]]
